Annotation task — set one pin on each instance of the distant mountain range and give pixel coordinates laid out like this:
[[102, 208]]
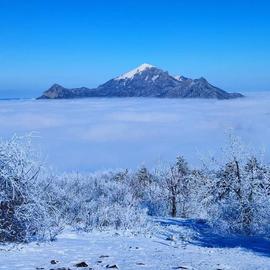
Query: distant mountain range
[[144, 81]]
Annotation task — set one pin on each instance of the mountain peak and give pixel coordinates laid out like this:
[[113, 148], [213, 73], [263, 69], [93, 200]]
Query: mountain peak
[[56, 85], [144, 66], [132, 73]]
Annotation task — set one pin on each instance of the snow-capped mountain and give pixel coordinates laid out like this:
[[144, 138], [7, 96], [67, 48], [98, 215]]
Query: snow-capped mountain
[[144, 81]]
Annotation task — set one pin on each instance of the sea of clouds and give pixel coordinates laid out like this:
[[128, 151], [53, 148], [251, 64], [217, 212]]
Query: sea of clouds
[[96, 134]]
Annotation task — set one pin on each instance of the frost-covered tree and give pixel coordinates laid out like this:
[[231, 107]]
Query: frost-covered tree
[[233, 193], [176, 183], [25, 213], [121, 176], [146, 188], [140, 183], [236, 192]]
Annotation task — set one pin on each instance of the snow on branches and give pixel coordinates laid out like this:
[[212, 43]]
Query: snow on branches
[[232, 193]]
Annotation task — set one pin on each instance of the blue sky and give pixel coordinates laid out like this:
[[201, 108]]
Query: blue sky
[[85, 43]]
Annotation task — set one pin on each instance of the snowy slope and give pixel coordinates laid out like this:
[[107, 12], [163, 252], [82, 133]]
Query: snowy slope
[[193, 247]]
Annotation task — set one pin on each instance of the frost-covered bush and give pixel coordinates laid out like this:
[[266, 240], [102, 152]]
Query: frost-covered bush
[[233, 194], [25, 212], [99, 201]]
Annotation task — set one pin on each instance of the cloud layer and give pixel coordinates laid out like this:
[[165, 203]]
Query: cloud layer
[[96, 134]]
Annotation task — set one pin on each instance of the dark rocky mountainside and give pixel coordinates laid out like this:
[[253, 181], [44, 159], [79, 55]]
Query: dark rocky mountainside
[[144, 81]]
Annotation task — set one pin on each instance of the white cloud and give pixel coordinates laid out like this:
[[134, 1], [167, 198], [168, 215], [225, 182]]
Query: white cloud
[[92, 134]]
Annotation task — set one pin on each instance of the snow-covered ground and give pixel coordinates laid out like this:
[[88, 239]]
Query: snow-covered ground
[[191, 245]]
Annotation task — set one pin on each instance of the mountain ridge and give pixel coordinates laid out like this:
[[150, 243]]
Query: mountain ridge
[[144, 81]]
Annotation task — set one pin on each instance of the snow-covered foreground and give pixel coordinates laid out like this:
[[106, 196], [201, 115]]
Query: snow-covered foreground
[[191, 245]]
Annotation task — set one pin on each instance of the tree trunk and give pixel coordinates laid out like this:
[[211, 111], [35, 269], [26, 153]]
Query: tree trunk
[[174, 211]]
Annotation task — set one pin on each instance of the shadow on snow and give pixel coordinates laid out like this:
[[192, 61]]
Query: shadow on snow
[[205, 236]]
